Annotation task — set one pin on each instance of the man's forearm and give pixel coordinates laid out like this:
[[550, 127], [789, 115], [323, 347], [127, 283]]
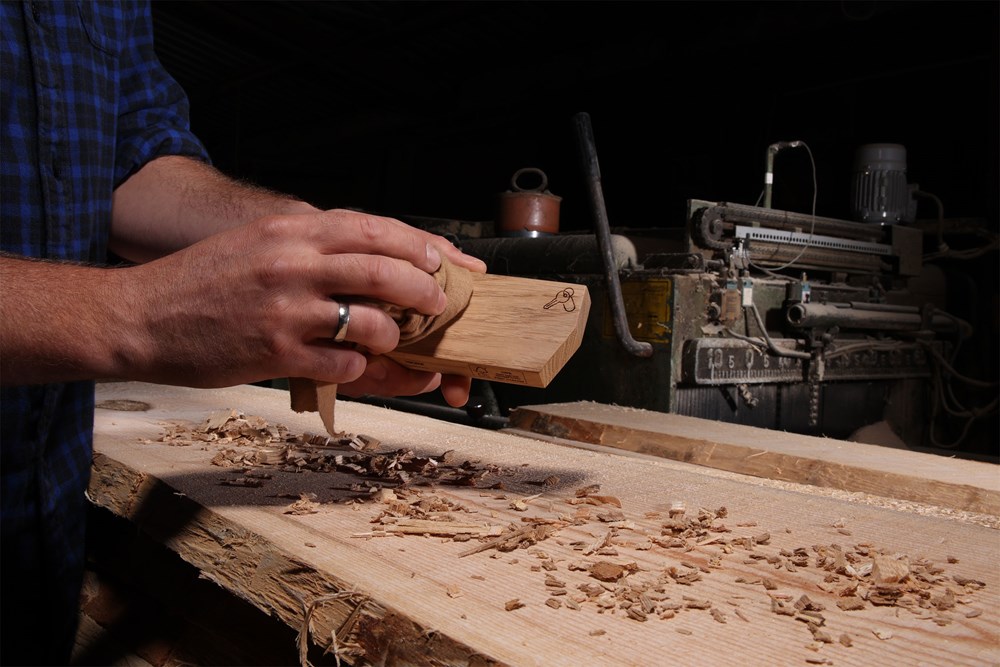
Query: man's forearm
[[175, 201], [61, 321]]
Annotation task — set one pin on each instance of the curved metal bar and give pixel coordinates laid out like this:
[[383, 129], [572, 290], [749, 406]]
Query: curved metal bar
[[588, 152]]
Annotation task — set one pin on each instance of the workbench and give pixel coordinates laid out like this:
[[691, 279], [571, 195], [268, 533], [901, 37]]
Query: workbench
[[411, 541]]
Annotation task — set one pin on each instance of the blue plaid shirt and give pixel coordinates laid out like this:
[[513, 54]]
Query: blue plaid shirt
[[84, 104]]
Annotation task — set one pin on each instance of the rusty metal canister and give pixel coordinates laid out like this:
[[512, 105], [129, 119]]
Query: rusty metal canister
[[528, 211]]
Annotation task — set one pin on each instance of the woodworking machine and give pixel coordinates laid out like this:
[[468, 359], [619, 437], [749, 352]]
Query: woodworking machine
[[826, 351], [752, 315]]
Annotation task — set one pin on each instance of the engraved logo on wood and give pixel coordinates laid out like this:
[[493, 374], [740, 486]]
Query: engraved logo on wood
[[565, 297]]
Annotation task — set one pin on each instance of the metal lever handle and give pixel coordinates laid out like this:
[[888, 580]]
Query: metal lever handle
[[588, 153]]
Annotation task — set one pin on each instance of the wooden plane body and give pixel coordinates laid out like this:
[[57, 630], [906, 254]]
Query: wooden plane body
[[514, 330]]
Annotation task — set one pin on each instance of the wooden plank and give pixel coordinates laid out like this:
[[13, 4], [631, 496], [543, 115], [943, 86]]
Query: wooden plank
[[421, 600], [926, 478]]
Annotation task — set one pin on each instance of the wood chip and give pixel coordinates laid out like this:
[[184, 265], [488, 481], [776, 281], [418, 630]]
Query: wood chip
[[887, 570], [804, 603], [611, 516], [636, 614], [511, 605], [304, 505], [502, 543], [820, 635], [521, 504], [446, 528], [607, 571], [851, 603], [967, 582], [782, 608]]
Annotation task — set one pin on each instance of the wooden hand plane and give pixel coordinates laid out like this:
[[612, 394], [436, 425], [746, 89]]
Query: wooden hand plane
[[514, 330]]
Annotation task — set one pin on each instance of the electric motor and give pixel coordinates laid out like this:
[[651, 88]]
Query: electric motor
[[879, 191]]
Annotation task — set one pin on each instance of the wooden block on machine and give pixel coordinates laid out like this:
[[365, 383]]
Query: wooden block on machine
[[514, 330]]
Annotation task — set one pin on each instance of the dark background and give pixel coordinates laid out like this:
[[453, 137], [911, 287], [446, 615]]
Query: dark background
[[428, 108]]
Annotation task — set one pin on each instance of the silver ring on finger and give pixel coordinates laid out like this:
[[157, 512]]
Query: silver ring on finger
[[343, 322]]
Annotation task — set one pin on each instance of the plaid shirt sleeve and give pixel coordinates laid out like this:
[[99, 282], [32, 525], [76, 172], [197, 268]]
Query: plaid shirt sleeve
[[85, 104], [152, 107]]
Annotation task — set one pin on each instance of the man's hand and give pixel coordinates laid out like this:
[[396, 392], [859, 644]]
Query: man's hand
[[175, 201], [266, 296], [248, 304]]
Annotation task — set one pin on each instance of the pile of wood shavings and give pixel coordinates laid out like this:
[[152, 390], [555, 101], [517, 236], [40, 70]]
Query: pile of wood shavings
[[610, 582], [412, 512], [605, 578], [860, 577], [233, 427], [250, 443]]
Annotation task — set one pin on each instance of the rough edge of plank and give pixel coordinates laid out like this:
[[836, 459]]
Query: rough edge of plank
[[758, 462], [248, 566]]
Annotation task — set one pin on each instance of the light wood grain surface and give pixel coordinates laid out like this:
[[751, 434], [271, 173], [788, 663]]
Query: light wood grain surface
[[426, 603]]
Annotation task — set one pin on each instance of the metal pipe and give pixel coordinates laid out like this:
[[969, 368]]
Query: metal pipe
[[442, 412], [772, 150], [769, 176], [867, 316], [588, 152], [775, 350]]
